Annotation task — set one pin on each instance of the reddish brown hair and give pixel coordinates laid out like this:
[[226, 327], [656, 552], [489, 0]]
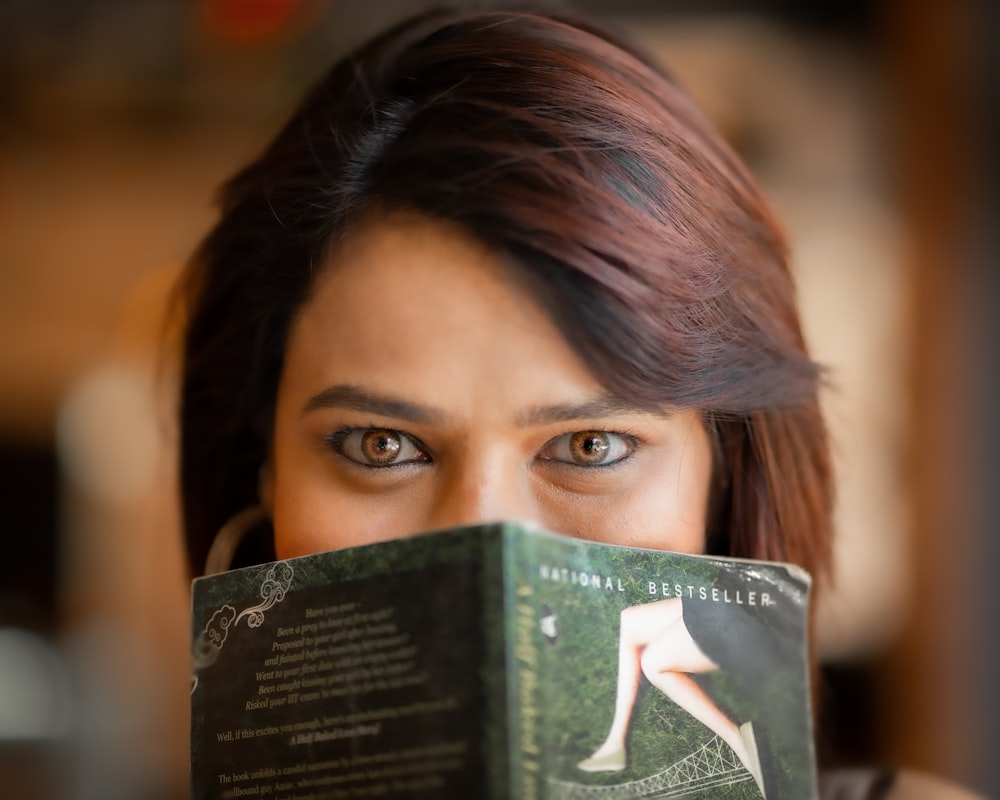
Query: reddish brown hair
[[634, 223]]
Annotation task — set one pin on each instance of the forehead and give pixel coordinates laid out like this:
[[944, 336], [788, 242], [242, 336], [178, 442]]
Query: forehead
[[403, 273], [405, 299]]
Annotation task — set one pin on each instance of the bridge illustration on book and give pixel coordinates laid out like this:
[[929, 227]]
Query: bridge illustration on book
[[711, 766]]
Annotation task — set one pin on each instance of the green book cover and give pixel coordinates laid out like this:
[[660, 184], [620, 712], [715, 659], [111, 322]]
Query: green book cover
[[501, 661]]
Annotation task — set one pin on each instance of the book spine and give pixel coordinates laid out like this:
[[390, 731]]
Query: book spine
[[522, 656], [493, 670]]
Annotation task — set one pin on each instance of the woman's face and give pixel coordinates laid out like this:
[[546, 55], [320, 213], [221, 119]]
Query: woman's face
[[424, 388]]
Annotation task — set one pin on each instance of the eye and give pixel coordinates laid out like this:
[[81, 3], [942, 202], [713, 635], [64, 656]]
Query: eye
[[377, 447], [589, 448]]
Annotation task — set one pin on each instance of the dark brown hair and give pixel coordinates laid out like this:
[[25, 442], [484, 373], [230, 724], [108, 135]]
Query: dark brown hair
[[633, 222]]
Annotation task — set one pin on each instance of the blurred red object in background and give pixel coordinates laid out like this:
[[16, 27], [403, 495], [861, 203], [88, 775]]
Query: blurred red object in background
[[256, 21]]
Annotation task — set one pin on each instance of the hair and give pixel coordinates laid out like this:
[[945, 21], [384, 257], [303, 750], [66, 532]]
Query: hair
[[632, 221]]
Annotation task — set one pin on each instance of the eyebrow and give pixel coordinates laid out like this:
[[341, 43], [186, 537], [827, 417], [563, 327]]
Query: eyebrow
[[606, 405], [355, 398]]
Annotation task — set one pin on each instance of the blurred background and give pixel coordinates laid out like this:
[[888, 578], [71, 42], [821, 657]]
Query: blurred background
[[871, 126]]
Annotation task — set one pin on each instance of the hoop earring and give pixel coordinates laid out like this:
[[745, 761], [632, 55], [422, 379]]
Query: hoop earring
[[229, 538]]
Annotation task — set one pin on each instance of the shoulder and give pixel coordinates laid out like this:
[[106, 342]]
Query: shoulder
[[884, 784]]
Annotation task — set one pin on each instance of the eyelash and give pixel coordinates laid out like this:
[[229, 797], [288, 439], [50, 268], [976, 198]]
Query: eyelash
[[632, 442], [335, 441]]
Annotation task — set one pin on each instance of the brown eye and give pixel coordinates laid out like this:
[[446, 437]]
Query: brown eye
[[378, 447], [589, 448]]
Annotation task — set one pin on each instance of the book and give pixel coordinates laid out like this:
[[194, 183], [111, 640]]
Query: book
[[502, 661]]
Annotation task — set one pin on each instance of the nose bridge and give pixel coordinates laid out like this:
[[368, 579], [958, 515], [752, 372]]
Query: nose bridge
[[482, 487]]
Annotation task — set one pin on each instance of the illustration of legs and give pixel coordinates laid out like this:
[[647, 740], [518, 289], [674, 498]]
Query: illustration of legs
[[639, 626], [654, 641], [668, 663]]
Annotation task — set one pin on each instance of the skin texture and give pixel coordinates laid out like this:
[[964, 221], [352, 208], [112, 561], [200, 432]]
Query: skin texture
[[419, 349]]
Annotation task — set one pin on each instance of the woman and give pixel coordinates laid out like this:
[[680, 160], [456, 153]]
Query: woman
[[536, 169], [498, 266]]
